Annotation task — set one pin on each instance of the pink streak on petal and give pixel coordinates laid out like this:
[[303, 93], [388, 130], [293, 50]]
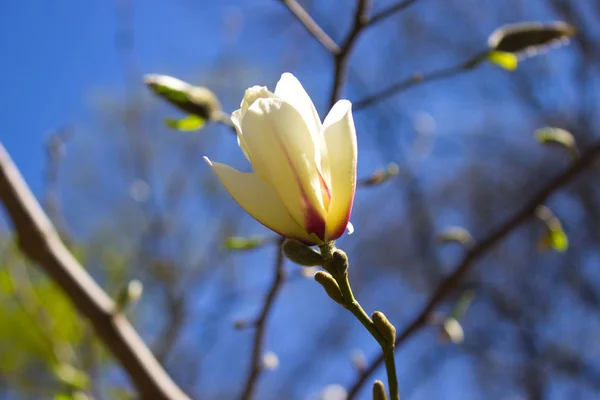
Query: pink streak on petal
[[342, 227], [314, 222], [324, 188]]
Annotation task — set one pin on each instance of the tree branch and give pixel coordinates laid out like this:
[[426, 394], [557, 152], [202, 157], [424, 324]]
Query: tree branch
[[477, 251], [391, 10], [311, 26], [417, 79], [361, 19], [40, 242], [260, 325]]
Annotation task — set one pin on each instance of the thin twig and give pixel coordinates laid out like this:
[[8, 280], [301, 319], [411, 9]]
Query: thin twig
[[361, 19], [40, 242], [388, 12], [339, 271], [477, 251], [311, 26], [260, 323], [417, 79]]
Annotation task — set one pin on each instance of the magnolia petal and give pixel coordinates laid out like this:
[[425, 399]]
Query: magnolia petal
[[252, 94], [236, 118], [340, 137], [290, 90], [260, 200], [283, 153]]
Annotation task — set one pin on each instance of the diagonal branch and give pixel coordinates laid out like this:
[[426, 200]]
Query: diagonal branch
[[477, 251], [40, 242], [391, 10], [260, 324], [418, 79], [311, 26]]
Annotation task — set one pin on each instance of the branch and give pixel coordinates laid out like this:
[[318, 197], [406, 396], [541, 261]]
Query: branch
[[40, 242], [361, 19], [478, 250], [311, 26], [417, 79], [260, 323], [388, 12]]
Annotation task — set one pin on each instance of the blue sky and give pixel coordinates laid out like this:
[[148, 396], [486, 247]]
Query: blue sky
[[59, 57]]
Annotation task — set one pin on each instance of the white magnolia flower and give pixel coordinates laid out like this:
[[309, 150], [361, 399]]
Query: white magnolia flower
[[304, 171]]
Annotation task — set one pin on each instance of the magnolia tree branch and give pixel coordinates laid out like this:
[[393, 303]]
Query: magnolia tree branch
[[40, 242], [261, 326], [342, 53], [477, 251], [390, 11], [417, 79], [311, 26], [361, 19]]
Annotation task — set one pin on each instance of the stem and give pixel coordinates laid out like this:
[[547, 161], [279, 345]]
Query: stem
[[352, 305], [355, 308], [390, 369]]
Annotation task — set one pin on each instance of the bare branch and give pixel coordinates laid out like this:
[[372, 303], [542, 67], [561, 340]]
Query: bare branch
[[417, 79], [260, 324], [477, 251], [311, 26], [41, 243], [361, 19], [391, 10]]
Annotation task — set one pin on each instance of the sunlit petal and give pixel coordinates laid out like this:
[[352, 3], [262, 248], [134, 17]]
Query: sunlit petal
[[290, 90], [340, 137], [236, 121], [283, 152], [252, 94], [260, 200]]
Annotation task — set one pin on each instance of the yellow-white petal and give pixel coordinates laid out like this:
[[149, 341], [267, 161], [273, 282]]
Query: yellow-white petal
[[290, 90], [283, 152], [340, 137], [252, 94], [236, 118], [260, 200]]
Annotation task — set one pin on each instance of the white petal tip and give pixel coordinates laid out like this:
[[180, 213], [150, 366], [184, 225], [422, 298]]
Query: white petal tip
[[208, 161], [350, 228], [287, 75]]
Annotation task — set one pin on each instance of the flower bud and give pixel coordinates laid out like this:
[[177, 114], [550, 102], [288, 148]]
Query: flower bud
[[129, 295], [453, 331], [385, 327], [379, 391], [525, 36], [330, 286], [190, 99], [339, 261], [301, 254]]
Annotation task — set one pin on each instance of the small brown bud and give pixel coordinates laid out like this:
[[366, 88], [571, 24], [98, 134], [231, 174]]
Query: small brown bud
[[379, 391], [385, 327], [529, 36], [339, 261], [330, 286], [301, 254]]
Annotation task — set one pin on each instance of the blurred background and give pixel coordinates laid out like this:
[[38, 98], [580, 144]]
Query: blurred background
[[134, 200]]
